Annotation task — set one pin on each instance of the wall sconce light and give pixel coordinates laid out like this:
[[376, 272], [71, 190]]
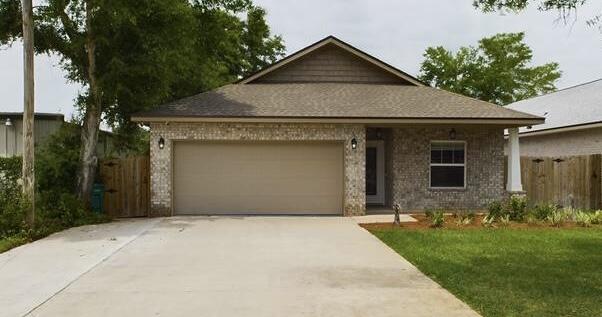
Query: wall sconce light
[[452, 134], [8, 123], [354, 143], [161, 143]]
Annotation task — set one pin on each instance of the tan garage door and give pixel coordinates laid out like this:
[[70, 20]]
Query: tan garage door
[[258, 178]]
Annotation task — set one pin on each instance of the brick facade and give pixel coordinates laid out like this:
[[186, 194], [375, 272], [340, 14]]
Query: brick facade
[[408, 166], [407, 158], [161, 159]]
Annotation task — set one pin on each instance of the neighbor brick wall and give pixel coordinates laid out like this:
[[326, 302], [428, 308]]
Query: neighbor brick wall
[[408, 166], [161, 159], [581, 142]]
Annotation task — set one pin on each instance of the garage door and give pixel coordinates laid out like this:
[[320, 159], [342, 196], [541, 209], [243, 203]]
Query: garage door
[[258, 178]]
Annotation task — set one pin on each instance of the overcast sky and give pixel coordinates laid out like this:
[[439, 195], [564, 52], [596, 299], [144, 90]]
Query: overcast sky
[[395, 31]]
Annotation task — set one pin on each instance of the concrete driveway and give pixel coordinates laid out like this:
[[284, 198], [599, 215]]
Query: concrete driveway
[[250, 266]]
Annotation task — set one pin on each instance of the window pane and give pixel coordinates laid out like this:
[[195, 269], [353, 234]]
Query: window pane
[[435, 156], [459, 156], [447, 156], [447, 152], [447, 176]]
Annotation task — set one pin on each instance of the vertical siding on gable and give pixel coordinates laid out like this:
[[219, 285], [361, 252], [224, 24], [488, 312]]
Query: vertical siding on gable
[[331, 64]]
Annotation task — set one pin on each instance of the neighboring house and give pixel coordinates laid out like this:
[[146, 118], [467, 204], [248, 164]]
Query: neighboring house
[[573, 122], [45, 124], [328, 130], [11, 130]]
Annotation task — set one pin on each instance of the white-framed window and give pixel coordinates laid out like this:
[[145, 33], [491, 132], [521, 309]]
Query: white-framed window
[[448, 164]]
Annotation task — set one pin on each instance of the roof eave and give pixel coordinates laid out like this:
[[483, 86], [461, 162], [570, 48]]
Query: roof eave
[[505, 122]]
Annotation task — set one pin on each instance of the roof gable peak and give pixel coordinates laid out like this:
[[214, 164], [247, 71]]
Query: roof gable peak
[[375, 64]]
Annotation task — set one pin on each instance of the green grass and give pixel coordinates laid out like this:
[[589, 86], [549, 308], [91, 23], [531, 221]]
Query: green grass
[[12, 242], [510, 272]]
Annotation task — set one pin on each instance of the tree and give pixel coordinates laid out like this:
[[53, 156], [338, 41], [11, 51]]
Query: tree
[[132, 55], [28, 175], [497, 70], [564, 7]]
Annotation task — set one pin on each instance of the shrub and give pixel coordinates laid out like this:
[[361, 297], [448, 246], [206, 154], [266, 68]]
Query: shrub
[[438, 219], [428, 213], [557, 218], [495, 209], [516, 208], [597, 217], [583, 219], [505, 220], [488, 220], [464, 217], [542, 212]]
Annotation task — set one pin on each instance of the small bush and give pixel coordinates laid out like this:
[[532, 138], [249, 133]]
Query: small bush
[[438, 219], [583, 219], [597, 217], [541, 212], [495, 209], [505, 220], [516, 208], [557, 218], [429, 213], [488, 221], [464, 217]]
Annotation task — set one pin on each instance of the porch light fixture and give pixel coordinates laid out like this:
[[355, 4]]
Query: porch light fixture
[[452, 134], [8, 123], [161, 143], [353, 143]]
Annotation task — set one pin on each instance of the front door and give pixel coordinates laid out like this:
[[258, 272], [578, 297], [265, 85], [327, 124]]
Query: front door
[[375, 172]]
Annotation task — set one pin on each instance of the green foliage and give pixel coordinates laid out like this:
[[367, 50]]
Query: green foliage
[[464, 217], [488, 220], [148, 52], [438, 219], [57, 207], [505, 220], [57, 160], [516, 208], [584, 219], [558, 217], [497, 70], [511, 272], [597, 217], [541, 212], [495, 209]]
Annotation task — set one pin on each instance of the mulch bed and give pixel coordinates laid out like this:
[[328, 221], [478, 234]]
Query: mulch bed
[[450, 222]]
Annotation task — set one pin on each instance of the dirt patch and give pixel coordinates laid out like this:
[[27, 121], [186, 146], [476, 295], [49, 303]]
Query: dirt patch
[[452, 222]]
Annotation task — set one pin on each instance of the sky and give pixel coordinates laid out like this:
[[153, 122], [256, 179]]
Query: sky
[[395, 31]]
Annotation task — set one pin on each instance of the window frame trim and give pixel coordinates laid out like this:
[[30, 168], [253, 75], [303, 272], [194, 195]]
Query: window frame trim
[[447, 164]]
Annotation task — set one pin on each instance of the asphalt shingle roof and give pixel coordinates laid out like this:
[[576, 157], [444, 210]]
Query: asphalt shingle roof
[[578, 105], [332, 100]]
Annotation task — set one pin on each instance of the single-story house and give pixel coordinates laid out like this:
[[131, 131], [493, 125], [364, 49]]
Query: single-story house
[[45, 124], [573, 122], [328, 130], [11, 130]]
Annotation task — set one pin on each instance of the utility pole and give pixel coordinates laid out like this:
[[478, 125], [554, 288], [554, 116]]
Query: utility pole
[[28, 111]]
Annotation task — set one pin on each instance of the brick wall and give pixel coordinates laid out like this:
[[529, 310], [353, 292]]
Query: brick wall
[[408, 160], [161, 159]]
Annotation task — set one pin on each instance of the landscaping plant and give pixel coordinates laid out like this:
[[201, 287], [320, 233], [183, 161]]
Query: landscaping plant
[[438, 219]]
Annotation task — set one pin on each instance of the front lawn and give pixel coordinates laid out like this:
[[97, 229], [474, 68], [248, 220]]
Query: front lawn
[[12, 242], [510, 271]]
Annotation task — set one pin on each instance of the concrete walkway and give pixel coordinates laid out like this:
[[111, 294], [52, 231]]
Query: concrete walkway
[[236, 266], [33, 273]]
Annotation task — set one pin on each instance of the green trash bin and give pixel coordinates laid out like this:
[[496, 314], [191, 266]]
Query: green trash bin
[[98, 193]]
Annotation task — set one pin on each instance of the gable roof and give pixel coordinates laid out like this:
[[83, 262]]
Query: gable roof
[[579, 106], [406, 100], [336, 102], [331, 40]]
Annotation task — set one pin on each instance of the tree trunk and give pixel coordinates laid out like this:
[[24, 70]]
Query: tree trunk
[[28, 112], [92, 117]]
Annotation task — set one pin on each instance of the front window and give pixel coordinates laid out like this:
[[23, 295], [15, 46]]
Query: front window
[[448, 164]]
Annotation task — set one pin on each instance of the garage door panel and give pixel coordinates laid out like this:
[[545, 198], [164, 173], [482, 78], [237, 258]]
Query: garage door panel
[[258, 178]]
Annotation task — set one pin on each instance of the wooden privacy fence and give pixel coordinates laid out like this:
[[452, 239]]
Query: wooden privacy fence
[[127, 186], [566, 181]]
